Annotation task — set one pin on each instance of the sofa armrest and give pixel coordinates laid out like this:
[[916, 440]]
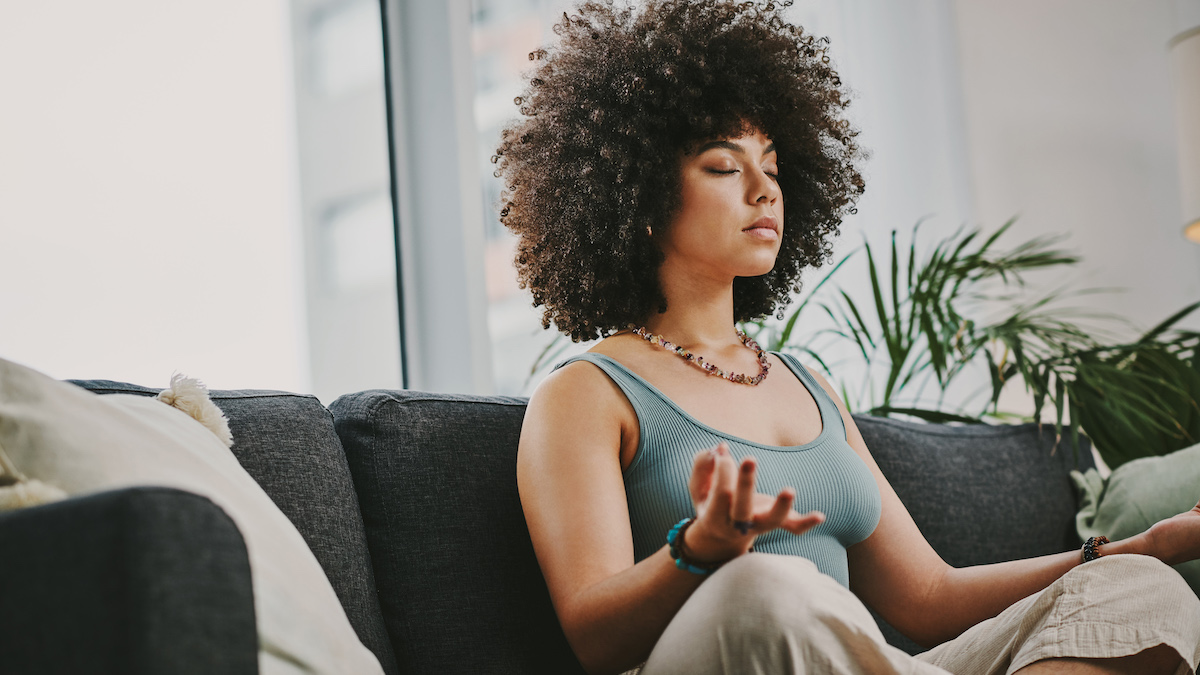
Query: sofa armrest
[[134, 581]]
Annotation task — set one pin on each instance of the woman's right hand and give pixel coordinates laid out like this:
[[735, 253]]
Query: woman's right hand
[[730, 513]]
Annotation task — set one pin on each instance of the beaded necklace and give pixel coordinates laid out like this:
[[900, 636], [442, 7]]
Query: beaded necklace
[[738, 378]]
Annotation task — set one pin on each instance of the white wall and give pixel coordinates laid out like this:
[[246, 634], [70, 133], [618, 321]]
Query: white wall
[[1069, 124], [147, 192], [1059, 113], [900, 62]]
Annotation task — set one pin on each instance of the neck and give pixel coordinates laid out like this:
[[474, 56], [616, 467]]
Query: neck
[[699, 310]]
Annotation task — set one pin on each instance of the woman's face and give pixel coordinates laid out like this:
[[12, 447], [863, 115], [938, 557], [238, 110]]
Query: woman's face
[[730, 217]]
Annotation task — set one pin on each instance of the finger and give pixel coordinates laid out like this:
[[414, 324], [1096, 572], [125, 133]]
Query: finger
[[743, 497], [779, 511], [721, 498], [703, 467], [799, 523]]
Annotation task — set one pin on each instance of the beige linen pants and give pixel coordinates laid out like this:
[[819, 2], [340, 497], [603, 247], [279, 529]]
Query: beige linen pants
[[767, 614]]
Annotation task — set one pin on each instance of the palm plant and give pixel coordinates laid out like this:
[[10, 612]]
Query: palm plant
[[924, 324], [1133, 400]]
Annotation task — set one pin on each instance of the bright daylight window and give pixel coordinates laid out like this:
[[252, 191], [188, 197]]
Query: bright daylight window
[[503, 34], [198, 187]]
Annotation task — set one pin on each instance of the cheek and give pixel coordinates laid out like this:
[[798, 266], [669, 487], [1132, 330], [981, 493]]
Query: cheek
[[695, 197], [697, 207]]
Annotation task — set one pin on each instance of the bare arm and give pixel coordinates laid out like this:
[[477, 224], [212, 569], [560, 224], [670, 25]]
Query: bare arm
[[569, 477], [898, 573]]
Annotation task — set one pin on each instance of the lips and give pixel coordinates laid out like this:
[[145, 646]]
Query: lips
[[764, 226]]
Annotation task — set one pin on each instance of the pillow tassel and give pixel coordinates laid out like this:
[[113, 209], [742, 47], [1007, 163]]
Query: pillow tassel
[[191, 396]]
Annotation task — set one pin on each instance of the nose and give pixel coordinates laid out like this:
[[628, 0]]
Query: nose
[[763, 189]]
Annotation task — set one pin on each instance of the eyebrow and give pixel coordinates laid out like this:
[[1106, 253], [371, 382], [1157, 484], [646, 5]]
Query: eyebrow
[[730, 145]]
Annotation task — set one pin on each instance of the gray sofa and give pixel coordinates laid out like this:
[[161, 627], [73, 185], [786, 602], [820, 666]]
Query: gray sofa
[[409, 502]]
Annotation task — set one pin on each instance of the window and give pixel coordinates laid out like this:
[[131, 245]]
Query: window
[[197, 187], [502, 35]]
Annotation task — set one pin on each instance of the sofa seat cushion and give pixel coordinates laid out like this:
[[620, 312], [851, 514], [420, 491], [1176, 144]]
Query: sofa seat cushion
[[287, 443], [458, 581]]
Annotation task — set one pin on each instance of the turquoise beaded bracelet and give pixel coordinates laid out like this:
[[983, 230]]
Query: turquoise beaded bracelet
[[675, 547]]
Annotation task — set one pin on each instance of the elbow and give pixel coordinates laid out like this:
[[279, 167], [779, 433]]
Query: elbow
[[594, 648], [925, 640], [927, 620], [586, 652], [595, 661], [922, 628]]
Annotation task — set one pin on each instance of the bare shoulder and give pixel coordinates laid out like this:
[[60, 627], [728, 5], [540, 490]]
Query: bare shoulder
[[573, 388], [828, 387], [577, 408], [853, 436], [582, 388]]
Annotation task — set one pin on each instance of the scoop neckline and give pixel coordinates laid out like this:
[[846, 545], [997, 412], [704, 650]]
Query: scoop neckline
[[825, 426]]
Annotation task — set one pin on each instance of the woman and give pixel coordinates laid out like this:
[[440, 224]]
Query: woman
[[647, 185]]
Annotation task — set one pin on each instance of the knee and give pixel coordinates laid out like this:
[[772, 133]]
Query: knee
[[779, 592], [763, 580], [776, 611], [1148, 581], [1136, 570], [768, 567]]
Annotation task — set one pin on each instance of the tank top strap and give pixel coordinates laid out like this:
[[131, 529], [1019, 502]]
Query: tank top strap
[[830, 414], [644, 401]]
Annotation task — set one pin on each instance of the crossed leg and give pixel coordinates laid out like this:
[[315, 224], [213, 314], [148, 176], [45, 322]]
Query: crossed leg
[[1160, 660], [769, 614], [1119, 614]]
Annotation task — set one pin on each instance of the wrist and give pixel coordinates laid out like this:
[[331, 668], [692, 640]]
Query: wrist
[[704, 548], [1139, 544], [677, 551], [1091, 549]]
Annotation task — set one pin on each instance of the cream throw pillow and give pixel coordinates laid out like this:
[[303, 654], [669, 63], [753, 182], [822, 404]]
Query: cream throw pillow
[[81, 442]]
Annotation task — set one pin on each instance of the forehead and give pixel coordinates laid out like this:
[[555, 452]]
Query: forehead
[[739, 145], [753, 143]]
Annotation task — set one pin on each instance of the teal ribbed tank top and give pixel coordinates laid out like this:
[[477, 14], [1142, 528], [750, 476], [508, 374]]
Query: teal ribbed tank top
[[827, 474]]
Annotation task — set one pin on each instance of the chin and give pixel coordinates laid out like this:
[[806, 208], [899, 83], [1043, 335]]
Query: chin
[[763, 266], [757, 270]]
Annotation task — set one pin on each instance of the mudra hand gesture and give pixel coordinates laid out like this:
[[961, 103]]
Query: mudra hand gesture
[[730, 513]]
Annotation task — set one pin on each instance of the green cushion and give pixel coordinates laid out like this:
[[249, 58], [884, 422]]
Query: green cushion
[[1137, 495]]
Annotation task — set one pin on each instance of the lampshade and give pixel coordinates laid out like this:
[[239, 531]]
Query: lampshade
[[1185, 66], [1192, 231]]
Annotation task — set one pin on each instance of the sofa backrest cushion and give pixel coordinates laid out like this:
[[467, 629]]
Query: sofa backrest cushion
[[287, 443], [458, 581], [980, 493], [460, 587]]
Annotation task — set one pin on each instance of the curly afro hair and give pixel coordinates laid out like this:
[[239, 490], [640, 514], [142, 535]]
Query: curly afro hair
[[593, 164]]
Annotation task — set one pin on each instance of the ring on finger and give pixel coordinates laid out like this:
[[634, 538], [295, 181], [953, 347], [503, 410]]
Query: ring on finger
[[743, 526]]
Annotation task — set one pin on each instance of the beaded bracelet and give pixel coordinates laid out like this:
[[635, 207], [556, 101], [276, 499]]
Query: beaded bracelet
[[1091, 548], [675, 547]]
